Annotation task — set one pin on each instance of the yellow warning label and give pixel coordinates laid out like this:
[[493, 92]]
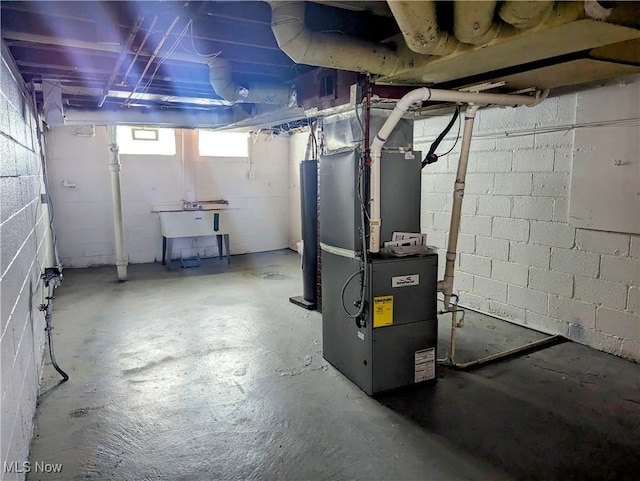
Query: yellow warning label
[[382, 311]]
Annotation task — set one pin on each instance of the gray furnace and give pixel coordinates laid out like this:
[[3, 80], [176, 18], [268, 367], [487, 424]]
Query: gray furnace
[[379, 322]]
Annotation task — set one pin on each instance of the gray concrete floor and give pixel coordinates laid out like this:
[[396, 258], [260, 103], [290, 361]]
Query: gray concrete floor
[[210, 373]]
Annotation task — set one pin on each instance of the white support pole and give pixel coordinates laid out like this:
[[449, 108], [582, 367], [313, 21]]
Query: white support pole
[[456, 211], [116, 197]]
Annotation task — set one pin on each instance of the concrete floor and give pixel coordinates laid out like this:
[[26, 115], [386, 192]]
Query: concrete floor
[[210, 373]]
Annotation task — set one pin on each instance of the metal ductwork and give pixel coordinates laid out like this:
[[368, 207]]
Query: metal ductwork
[[473, 21], [526, 14], [418, 23], [330, 50]]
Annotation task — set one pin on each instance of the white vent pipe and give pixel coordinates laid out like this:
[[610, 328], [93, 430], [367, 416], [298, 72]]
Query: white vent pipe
[[116, 197], [418, 23], [330, 50], [473, 21], [422, 95]]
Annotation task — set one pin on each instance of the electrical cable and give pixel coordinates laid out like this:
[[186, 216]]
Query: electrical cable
[[431, 156], [195, 50], [457, 136], [175, 45], [363, 263], [48, 308], [50, 281]]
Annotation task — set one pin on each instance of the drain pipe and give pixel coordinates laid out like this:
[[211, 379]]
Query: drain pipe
[[116, 197], [456, 211], [422, 95]]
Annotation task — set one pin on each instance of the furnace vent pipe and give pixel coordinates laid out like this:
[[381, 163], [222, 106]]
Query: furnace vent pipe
[[116, 197], [526, 14], [473, 21], [422, 95], [221, 80], [418, 23], [330, 50]]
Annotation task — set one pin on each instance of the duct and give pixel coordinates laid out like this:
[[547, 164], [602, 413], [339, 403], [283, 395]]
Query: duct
[[330, 50], [116, 197], [418, 23], [526, 14], [473, 21], [221, 80]]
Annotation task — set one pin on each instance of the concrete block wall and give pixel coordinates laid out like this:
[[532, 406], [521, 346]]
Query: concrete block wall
[[519, 258], [26, 250], [258, 209]]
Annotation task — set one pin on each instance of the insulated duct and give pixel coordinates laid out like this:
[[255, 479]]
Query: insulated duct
[[221, 80], [526, 14], [418, 23], [330, 50], [473, 21]]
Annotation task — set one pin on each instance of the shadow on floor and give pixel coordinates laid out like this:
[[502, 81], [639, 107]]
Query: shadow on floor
[[519, 417]]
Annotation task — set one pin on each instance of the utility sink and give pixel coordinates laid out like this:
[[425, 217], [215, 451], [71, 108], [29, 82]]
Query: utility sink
[[193, 223]]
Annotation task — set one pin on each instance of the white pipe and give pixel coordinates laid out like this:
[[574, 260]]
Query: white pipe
[[422, 95], [456, 210], [116, 197]]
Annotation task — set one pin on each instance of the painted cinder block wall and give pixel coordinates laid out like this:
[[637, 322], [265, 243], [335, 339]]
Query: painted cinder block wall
[[25, 238], [519, 257], [258, 209]]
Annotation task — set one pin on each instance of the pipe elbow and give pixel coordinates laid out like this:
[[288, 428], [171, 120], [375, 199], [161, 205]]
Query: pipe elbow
[[287, 24], [221, 79]]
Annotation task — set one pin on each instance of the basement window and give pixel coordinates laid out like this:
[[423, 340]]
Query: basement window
[[223, 144], [144, 133], [146, 140]]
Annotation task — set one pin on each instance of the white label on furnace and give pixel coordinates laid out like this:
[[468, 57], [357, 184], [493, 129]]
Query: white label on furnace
[[425, 365], [404, 281], [361, 335]]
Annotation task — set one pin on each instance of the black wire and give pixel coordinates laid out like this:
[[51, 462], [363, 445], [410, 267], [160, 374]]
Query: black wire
[[457, 135], [431, 156], [342, 292], [49, 329]]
